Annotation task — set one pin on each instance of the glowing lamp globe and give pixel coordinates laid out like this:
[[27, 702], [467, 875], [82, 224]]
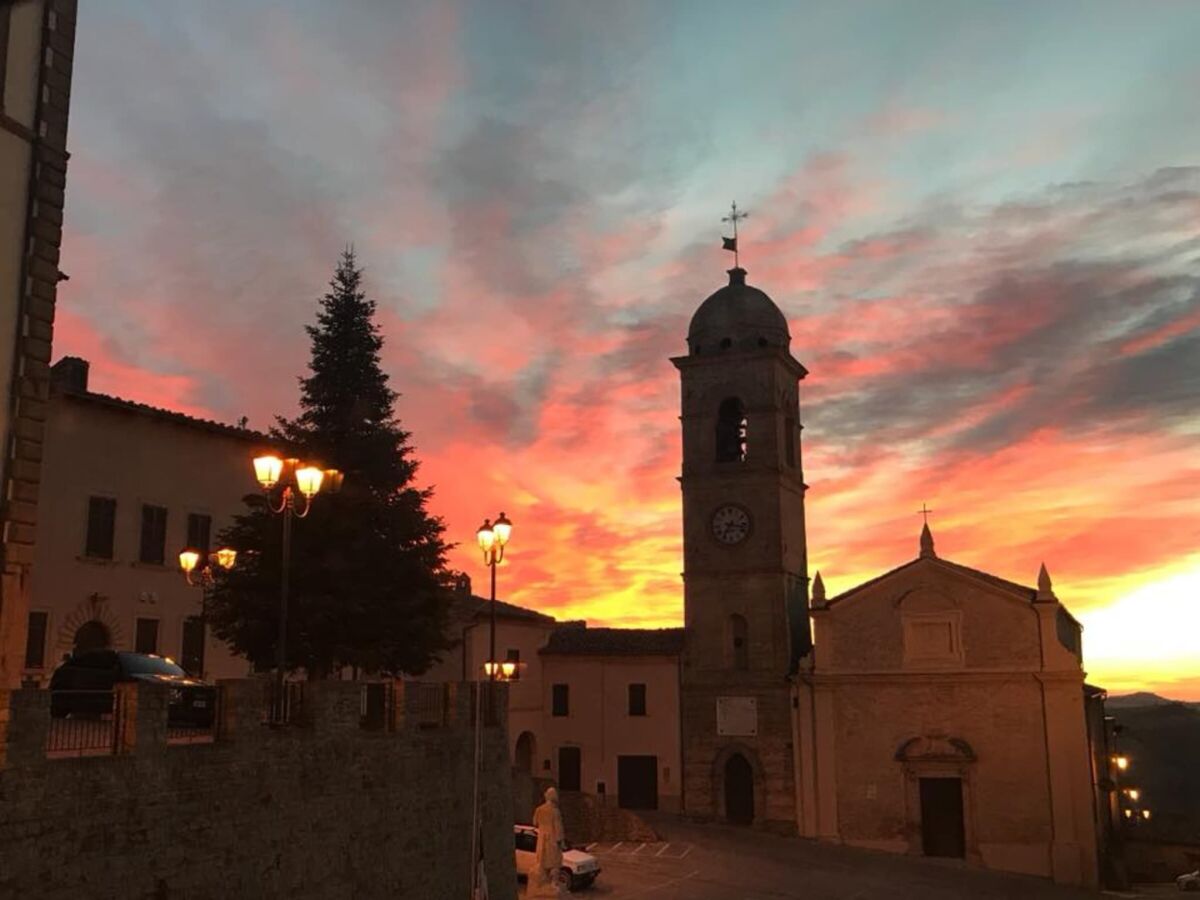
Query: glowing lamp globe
[[267, 470], [309, 479], [188, 560], [502, 529], [486, 536], [226, 557], [508, 669]]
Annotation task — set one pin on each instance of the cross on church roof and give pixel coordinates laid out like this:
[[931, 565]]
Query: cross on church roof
[[732, 243], [925, 512]]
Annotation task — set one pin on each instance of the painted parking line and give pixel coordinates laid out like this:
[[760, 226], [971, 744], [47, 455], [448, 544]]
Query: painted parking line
[[663, 849], [640, 848]]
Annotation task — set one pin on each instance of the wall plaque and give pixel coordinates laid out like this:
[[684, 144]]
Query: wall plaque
[[737, 716]]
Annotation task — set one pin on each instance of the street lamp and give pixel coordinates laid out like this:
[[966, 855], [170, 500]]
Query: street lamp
[[198, 575], [492, 537], [297, 485]]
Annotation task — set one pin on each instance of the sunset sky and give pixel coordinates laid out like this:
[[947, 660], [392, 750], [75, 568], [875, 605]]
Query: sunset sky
[[981, 219]]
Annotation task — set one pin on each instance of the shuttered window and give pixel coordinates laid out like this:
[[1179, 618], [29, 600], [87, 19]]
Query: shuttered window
[[192, 657], [154, 535], [102, 514], [146, 638], [199, 528], [560, 700]]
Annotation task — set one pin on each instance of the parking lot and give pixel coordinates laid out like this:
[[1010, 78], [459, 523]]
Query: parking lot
[[710, 862]]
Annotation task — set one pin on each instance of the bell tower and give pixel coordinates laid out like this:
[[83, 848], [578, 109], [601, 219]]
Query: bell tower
[[745, 561]]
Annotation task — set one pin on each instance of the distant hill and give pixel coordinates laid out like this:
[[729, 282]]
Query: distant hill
[[1162, 740], [1142, 699]]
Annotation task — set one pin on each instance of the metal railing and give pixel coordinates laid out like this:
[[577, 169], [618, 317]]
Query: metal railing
[[426, 703], [194, 723], [377, 707], [286, 708], [84, 723]]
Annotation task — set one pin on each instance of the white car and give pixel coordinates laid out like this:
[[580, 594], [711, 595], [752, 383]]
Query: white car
[[1189, 882], [579, 869]]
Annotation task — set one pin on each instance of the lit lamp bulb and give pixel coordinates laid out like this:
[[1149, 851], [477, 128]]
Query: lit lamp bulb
[[226, 557], [1145, 814], [502, 529], [486, 536], [267, 470], [1134, 793], [1129, 813], [188, 560], [489, 668], [309, 479], [508, 669], [1122, 762]]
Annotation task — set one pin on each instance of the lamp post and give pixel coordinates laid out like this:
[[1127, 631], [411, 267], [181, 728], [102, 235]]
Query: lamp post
[[198, 575], [297, 485], [492, 537]]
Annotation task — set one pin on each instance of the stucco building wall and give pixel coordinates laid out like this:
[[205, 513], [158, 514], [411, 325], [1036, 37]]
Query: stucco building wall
[[96, 446]]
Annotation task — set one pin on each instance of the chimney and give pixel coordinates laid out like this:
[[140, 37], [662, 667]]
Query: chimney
[[70, 373]]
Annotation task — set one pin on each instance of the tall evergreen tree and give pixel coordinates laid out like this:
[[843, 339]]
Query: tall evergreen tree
[[368, 576]]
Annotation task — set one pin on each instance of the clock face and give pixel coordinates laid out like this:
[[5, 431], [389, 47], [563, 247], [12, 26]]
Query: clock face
[[730, 524]]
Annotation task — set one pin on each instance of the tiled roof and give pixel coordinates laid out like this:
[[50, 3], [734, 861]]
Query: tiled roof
[[476, 607], [580, 640], [167, 415]]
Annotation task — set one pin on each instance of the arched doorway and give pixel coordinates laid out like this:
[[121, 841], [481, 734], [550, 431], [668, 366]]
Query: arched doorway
[[525, 754], [739, 790], [91, 635]]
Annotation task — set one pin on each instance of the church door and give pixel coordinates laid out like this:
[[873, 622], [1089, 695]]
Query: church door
[[739, 791], [568, 768], [942, 832]]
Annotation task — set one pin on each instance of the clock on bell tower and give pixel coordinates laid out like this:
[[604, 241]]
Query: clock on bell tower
[[745, 564]]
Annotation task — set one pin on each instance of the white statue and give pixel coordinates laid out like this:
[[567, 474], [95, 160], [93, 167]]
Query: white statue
[[543, 877]]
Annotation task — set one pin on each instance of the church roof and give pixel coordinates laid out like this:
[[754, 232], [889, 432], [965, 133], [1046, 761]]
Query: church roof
[[1026, 593], [737, 316], [579, 640]]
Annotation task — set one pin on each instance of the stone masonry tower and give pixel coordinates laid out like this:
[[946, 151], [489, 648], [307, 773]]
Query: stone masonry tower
[[745, 565]]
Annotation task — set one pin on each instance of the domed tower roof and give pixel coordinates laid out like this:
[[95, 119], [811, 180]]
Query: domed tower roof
[[738, 317]]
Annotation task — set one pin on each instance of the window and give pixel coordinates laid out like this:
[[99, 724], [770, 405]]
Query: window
[[637, 699], [35, 640], [731, 431], [146, 636], [526, 841], [560, 700], [199, 528], [514, 656], [154, 535], [192, 655], [739, 652], [102, 514]]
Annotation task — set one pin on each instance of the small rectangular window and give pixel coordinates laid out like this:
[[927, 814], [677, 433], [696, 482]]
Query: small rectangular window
[[514, 656], [146, 637], [637, 699], [199, 529], [102, 514], [154, 535], [35, 640], [560, 700]]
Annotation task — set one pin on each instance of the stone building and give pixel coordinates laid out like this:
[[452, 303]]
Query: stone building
[[942, 713], [126, 487], [37, 43]]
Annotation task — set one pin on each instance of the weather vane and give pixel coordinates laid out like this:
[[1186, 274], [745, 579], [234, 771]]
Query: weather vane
[[925, 512], [732, 243]]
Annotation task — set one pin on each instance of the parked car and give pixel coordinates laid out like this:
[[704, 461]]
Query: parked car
[[82, 686], [579, 869], [1189, 882]]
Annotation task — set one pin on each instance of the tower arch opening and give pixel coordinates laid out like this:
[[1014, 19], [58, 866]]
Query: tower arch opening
[[731, 430]]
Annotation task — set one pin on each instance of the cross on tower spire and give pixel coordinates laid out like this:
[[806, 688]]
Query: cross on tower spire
[[732, 243], [925, 512]]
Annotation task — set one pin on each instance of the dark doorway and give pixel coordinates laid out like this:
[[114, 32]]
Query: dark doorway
[[568, 768], [193, 646], [91, 636], [525, 752], [739, 791], [942, 832], [637, 782]]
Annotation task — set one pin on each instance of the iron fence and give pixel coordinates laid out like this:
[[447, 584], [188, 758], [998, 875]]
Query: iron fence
[[84, 723], [426, 703], [286, 708], [194, 718], [378, 702]]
